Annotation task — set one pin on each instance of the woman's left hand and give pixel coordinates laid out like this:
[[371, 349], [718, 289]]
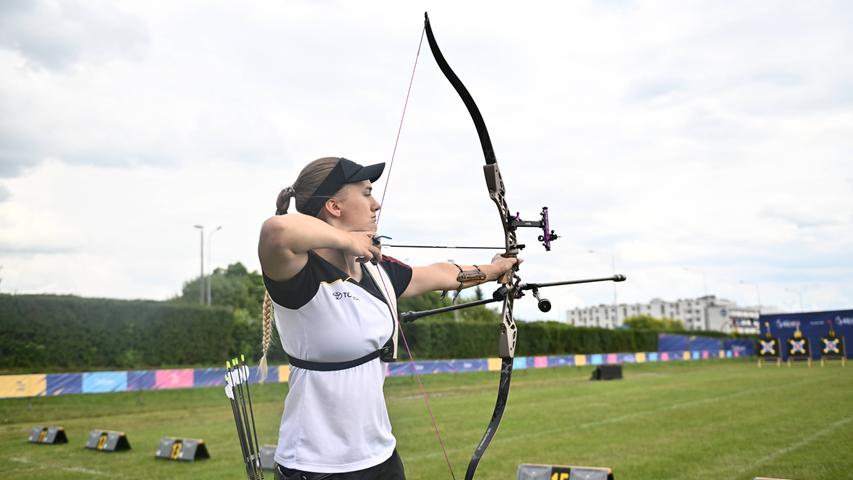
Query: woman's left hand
[[505, 266]]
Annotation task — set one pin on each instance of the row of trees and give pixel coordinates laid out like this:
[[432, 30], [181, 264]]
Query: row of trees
[[648, 322]]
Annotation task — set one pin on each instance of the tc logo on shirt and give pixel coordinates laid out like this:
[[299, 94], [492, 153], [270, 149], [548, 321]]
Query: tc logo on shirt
[[344, 296]]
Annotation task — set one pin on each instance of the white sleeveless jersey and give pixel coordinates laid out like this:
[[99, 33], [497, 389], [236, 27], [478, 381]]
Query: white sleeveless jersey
[[336, 421]]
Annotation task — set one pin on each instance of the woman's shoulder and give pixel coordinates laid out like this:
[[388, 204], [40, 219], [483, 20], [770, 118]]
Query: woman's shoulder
[[297, 290], [316, 270]]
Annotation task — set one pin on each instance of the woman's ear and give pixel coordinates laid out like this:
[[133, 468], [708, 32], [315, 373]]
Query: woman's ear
[[333, 205], [332, 208]]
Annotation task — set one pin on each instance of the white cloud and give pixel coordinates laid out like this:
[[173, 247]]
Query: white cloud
[[57, 35]]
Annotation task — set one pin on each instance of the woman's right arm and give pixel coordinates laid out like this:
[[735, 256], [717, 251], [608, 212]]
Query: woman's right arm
[[286, 239]]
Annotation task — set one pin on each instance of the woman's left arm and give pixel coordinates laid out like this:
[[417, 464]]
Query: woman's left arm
[[447, 276]]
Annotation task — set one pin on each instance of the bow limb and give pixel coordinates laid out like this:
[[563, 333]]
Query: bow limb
[[497, 191]]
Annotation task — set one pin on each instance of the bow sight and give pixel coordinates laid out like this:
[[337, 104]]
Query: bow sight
[[512, 223], [547, 236]]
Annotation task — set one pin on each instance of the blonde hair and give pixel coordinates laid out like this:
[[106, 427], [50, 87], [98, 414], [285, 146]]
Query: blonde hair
[[305, 185], [266, 337]]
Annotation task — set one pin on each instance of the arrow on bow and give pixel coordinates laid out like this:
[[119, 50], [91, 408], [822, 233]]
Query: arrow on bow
[[511, 286]]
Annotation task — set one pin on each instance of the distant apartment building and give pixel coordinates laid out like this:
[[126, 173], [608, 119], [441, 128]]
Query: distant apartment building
[[703, 313]]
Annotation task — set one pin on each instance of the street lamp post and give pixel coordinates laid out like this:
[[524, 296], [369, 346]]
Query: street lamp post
[[210, 262], [201, 276]]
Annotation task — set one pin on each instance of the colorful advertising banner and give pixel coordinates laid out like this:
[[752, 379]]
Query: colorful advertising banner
[[22, 385], [138, 380], [64, 383], [177, 378], [104, 382]]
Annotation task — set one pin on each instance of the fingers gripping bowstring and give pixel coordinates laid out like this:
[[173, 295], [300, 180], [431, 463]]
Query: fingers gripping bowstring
[[396, 318]]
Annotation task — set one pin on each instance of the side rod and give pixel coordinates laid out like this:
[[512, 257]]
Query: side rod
[[614, 278]]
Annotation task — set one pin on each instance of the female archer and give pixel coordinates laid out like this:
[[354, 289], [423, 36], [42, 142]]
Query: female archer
[[333, 296]]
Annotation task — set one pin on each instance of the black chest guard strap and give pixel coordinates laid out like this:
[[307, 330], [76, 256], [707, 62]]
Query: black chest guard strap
[[385, 353]]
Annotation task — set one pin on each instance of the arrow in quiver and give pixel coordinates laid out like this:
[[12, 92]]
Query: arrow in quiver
[[47, 435], [237, 375], [832, 347], [799, 348]]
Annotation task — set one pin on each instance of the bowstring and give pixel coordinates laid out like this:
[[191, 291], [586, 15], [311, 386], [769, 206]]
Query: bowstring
[[395, 317], [400, 127]]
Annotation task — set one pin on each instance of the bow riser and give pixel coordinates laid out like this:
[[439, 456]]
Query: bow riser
[[509, 331], [497, 192]]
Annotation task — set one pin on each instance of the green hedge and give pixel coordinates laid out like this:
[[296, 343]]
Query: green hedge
[[449, 339], [48, 332]]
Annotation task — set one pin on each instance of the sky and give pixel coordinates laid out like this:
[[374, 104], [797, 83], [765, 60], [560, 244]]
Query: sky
[[699, 147]]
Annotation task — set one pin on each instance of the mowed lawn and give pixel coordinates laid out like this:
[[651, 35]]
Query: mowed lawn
[[679, 420]]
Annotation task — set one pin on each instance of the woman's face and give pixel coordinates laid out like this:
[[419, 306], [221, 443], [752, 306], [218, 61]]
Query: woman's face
[[357, 206]]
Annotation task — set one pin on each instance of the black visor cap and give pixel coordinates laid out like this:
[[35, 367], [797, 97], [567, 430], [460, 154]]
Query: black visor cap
[[344, 172]]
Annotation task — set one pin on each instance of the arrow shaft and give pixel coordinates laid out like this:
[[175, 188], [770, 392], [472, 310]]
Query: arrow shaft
[[447, 247]]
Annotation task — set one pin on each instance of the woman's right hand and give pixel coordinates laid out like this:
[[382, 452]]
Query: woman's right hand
[[363, 247]]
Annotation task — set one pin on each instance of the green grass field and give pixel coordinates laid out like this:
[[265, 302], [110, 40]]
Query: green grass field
[[722, 419]]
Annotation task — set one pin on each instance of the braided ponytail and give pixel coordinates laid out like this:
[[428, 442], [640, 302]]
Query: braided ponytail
[[266, 326]]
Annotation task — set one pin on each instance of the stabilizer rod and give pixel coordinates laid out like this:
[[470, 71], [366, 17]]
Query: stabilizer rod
[[501, 293], [613, 278]]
